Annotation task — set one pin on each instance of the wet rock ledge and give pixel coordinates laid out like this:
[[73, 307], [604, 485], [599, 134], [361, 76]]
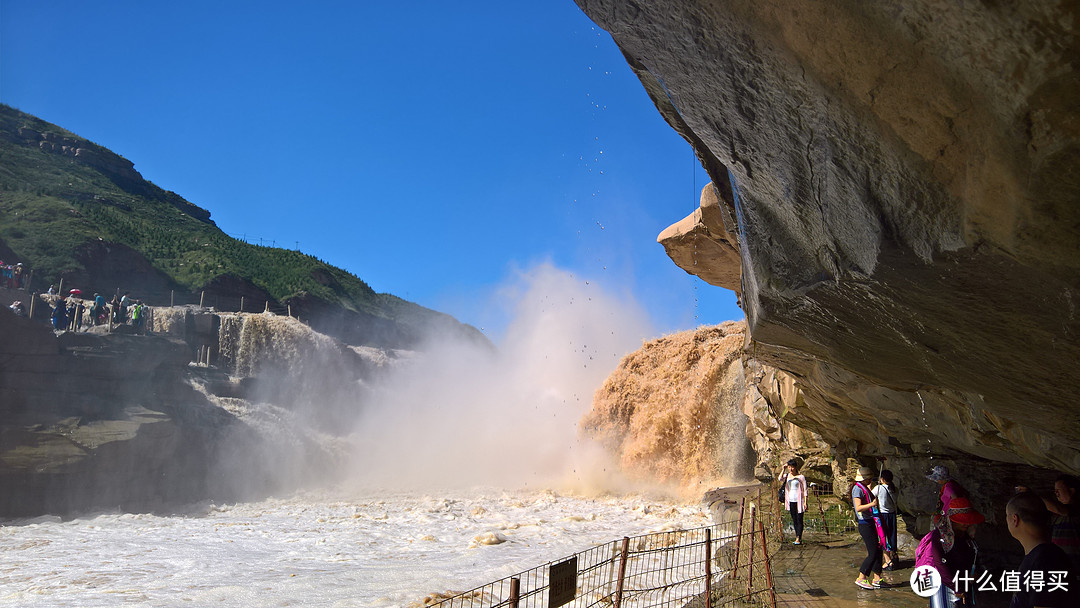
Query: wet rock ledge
[[104, 421]]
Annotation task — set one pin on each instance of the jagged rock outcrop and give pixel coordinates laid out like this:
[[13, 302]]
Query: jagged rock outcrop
[[903, 184], [705, 243], [769, 395]]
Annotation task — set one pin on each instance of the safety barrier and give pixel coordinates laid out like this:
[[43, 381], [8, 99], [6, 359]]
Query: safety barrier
[[825, 512], [723, 565]]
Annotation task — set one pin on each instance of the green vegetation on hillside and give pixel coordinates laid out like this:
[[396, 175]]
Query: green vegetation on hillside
[[52, 203]]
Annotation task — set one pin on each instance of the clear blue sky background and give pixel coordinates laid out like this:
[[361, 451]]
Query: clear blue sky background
[[431, 148]]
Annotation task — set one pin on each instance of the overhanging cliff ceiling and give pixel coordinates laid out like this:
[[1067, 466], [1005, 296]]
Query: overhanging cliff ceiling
[[904, 182]]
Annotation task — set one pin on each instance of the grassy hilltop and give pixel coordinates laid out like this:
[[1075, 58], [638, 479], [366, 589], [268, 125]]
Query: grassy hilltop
[[67, 204]]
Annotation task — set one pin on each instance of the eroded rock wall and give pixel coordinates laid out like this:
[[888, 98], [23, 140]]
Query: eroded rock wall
[[94, 421], [903, 178]]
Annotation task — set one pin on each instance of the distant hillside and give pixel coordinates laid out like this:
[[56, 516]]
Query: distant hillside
[[73, 210]]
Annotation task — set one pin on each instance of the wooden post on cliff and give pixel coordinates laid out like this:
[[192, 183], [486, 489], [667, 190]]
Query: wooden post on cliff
[[241, 303], [750, 564], [61, 290], [768, 567], [515, 592], [708, 567], [267, 309], [622, 571], [738, 538], [201, 297], [33, 297], [172, 298], [290, 311]]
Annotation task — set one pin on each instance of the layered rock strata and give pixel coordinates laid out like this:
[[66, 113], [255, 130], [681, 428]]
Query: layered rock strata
[[99, 420], [902, 178]]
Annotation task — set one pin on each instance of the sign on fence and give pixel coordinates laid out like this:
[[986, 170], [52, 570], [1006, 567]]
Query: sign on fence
[[562, 582]]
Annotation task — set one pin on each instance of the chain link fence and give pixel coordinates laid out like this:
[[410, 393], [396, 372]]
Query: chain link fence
[[723, 565]]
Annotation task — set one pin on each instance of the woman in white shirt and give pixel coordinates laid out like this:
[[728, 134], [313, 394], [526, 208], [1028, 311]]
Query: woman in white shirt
[[794, 496], [885, 493]]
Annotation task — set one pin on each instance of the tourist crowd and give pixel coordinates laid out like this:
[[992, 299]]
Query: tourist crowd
[[13, 276], [73, 313], [1047, 527]]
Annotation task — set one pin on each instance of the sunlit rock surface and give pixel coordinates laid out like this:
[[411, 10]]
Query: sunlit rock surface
[[705, 243], [905, 193]]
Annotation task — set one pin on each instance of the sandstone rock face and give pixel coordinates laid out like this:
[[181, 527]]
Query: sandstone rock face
[[705, 244], [904, 184], [768, 397]]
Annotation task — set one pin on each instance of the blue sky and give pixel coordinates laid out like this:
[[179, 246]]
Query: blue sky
[[434, 149]]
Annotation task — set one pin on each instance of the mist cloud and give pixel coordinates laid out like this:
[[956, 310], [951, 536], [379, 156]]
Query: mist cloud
[[464, 414]]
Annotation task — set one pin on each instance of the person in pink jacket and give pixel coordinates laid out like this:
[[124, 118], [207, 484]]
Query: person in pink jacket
[[794, 496]]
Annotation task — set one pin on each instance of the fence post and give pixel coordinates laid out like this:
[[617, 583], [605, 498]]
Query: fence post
[[61, 290], [738, 538], [622, 571], [708, 568], [241, 303], [515, 592], [768, 566], [290, 311], [750, 564], [267, 309], [824, 520], [202, 296], [172, 298], [33, 297]]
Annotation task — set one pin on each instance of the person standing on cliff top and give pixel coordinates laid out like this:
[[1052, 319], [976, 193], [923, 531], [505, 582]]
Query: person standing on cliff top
[[794, 496], [59, 316]]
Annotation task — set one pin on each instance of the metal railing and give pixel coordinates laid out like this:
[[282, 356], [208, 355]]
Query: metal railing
[[723, 565], [825, 512]]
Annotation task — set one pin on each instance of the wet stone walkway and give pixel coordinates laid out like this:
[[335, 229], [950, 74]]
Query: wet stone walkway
[[820, 573]]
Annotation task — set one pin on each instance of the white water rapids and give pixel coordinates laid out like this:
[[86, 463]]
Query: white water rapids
[[314, 549], [458, 416]]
